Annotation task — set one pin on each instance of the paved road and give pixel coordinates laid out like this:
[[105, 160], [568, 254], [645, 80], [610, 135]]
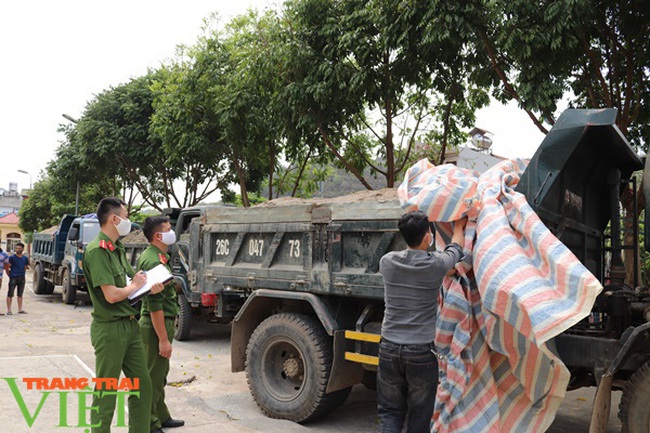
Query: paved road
[[52, 340]]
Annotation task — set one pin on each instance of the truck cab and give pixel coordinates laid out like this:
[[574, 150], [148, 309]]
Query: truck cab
[[187, 266], [82, 231], [58, 255]]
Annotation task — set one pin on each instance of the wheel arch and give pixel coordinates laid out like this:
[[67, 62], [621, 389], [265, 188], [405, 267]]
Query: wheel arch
[[263, 303]]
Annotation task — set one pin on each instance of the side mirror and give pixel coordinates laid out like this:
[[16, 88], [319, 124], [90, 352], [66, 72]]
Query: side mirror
[[74, 234]]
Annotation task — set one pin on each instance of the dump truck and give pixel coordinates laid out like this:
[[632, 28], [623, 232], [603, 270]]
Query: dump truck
[[308, 272], [57, 255]]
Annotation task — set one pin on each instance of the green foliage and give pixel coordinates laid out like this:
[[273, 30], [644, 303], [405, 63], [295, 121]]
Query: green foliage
[[537, 52], [302, 180], [361, 79], [41, 210], [237, 199], [277, 102]]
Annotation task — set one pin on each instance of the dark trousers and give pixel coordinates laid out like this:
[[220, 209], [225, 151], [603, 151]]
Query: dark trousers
[[407, 380]]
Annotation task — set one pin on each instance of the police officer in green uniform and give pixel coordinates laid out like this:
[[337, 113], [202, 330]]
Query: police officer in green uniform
[[114, 332], [157, 320]]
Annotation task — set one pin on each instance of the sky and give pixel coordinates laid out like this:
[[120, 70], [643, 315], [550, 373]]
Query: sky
[[58, 54]]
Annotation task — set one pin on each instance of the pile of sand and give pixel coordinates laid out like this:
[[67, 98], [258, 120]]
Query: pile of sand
[[135, 237], [379, 195]]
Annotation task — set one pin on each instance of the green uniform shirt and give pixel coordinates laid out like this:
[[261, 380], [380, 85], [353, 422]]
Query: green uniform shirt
[[165, 300], [105, 262]]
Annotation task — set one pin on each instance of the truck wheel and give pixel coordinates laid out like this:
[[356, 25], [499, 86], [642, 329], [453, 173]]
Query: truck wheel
[[183, 322], [38, 279], [288, 361], [69, 291], [633, 410]]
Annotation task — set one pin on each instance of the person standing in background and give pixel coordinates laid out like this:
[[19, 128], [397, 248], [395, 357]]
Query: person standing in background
[[3, 259], [15, 266]]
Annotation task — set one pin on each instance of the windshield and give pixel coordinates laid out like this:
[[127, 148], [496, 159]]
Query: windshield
[[90, 231]]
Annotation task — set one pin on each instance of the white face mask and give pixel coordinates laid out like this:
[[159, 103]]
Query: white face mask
[[168, 238], [124, 227], [431, 242]]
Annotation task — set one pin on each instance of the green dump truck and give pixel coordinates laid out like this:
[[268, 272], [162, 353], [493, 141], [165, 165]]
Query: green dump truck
[[301, 277]]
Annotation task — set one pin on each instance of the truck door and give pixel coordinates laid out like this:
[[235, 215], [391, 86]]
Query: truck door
[[183, 256]]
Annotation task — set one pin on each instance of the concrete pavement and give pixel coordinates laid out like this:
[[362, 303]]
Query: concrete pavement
[[52, 340]]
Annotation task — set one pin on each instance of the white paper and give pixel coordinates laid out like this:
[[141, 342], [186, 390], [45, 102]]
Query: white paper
[[158, 274]]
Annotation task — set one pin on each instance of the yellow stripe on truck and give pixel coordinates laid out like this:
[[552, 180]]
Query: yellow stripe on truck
[[362, 359], [362, 336]]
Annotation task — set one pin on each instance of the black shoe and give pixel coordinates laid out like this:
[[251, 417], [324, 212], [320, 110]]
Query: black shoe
[[158, 430], [171, 422]]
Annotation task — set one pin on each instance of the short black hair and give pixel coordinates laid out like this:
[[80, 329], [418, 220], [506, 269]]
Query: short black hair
[[152, 225], [20, 244], [108, 206], [414, 226]]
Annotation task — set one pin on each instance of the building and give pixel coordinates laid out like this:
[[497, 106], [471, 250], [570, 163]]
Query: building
[[10, 202], [11, 199], [473, 159], [10, 233]]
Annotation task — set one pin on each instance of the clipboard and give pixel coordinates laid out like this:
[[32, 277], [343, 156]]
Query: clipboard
[[157, 274]]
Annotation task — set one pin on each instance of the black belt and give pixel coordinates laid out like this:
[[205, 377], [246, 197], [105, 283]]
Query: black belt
[[127, 318], [430, 345]]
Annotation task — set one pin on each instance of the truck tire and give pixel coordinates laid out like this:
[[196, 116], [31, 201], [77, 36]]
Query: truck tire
[[633, 411], [69, 291], [38, 279], [183, 322], [288, 362]]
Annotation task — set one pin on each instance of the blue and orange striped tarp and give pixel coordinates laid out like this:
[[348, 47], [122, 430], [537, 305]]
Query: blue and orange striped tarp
[[518, 287]]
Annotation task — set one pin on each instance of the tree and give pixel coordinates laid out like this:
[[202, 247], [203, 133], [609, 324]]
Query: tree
[[360, 81], [185, 122], [247, 98], [596, 53], [41, 209], [78, 164], [538, 51], [200, 111], [114, 148]]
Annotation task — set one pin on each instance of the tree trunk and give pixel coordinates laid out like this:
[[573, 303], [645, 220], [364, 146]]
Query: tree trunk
[[631, 227], [302, 169], [242, 180], [271, 169], [445, 125], [344, 161], [390, 149]]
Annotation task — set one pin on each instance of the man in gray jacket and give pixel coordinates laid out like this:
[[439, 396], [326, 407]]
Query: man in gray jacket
[[408, 369]]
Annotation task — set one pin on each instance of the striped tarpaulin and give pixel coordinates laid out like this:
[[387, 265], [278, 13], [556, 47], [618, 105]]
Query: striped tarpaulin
[[519, 288]]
